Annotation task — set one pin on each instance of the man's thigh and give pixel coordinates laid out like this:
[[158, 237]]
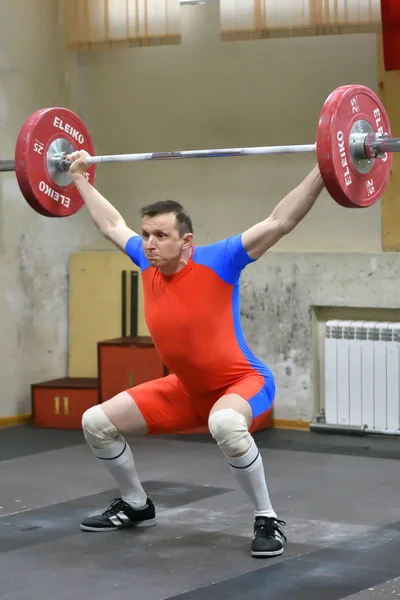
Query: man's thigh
[[252, 396], [125, 415], [165, 405]]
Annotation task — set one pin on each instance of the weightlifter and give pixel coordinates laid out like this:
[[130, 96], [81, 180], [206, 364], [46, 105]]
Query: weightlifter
[[192, 312]]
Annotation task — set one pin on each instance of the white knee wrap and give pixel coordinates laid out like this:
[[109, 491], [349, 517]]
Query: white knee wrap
[[229, 429], [97, 428]]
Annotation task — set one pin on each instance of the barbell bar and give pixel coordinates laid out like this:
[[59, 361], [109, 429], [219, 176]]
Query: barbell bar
[[353, 146], [7, 165], [62, 164], [378, 145], [363, 146]]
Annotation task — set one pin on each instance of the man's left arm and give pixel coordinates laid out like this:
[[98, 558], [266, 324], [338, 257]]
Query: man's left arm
[[285, 216]]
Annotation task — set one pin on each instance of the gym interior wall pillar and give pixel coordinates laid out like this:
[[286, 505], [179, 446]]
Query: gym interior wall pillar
[[389, 91]]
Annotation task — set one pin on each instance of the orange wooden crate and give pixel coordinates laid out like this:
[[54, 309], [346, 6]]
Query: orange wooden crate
[[125, 362], [60, 403]]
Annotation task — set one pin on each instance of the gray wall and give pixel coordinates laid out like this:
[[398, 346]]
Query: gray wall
[[287, 299], [34, 250], [203, 93]]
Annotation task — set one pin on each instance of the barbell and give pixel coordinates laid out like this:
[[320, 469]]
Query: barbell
[[353, 146]]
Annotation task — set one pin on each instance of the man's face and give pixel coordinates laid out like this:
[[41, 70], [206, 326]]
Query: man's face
[[161, 242]]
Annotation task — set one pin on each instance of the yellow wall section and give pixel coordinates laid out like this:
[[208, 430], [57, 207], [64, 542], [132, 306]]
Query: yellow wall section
[[95, 306], [389, 91]]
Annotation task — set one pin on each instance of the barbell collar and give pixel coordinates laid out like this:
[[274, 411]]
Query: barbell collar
[[382, 145]]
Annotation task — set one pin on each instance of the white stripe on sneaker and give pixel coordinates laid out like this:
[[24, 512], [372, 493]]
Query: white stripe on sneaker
[[115, 520], [279, 537], [123, 517]]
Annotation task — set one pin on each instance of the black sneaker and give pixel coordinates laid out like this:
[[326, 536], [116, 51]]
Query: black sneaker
[[120, 515], [268, 537]]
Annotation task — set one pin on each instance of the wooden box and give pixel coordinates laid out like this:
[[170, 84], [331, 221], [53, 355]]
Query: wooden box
[[126, 362], [60, 403]]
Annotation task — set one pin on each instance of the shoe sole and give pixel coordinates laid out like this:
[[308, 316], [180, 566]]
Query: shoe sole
[[147, 523], [267, 554]]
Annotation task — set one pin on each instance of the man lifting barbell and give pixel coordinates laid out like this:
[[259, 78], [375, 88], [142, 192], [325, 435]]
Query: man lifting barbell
[[191, 292], [191, 296]]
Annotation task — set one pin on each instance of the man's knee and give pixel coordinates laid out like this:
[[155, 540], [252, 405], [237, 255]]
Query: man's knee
[[98, 430], [229, 429]]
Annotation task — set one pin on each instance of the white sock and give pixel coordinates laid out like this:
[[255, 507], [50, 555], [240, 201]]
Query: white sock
[[248, 470], [119, 461]]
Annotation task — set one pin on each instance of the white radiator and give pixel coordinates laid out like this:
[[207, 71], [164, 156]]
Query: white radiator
[[362, 375]]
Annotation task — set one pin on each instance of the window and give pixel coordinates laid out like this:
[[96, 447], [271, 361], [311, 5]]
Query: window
[[103, 23], [245, 19]]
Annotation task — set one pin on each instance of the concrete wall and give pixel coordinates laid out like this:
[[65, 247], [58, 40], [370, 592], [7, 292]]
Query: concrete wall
[[203, 93], [287, 299], [34, 250]]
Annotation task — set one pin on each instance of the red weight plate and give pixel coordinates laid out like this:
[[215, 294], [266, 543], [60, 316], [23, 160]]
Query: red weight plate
[[342, 109], [42, 129]]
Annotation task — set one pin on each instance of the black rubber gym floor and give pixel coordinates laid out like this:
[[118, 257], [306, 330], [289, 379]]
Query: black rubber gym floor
[[339, 495]]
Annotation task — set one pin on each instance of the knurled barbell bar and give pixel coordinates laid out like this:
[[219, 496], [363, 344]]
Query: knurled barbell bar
[[353, 147]]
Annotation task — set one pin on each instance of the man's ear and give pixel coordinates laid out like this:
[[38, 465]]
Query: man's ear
[[187, 240]]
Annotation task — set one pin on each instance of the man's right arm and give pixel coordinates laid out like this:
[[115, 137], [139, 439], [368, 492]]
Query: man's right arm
[[103, 214]]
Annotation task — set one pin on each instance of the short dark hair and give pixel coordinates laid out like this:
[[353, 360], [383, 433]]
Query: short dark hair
[[163, 207]]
